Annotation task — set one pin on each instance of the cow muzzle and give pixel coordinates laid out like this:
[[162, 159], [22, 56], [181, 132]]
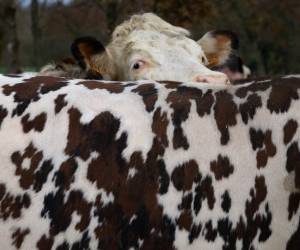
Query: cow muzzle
[[218, 78]]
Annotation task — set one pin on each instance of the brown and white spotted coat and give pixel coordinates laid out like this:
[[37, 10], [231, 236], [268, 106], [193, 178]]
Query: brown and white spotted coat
[[149, 165]]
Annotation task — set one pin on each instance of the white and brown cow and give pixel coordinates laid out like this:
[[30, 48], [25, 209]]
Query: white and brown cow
[[148, 165], [146, 47], [234, 68]]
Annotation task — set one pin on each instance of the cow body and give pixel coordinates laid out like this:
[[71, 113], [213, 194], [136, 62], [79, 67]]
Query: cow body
[[149, 165]]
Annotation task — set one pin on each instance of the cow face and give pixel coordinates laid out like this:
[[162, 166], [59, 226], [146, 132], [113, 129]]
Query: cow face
[[139, 52]]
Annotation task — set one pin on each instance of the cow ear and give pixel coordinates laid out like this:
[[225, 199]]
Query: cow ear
[[218, 45], [92, 56], [84, 48]]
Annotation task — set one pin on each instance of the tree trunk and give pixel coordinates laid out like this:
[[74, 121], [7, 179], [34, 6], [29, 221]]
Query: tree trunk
[[12, 45], [35, 30]]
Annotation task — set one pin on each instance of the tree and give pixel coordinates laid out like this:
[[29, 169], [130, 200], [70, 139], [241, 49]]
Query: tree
[[35, 30], [10, 41]]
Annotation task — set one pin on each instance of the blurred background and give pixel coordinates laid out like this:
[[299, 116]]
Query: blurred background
[[35, 32]]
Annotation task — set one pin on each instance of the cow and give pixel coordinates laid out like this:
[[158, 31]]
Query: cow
[[234, 68], [146, 47], [89, 164]]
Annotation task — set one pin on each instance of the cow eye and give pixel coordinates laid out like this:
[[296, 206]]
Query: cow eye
[[137, 65]]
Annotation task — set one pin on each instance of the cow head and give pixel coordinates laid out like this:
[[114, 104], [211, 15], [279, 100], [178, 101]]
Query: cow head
[[146, 47]]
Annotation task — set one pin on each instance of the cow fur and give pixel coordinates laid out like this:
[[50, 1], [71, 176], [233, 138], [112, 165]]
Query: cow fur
[[149, 165]]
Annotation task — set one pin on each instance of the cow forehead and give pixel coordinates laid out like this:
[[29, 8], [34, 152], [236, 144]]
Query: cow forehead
[[153, 41], [149, 22]]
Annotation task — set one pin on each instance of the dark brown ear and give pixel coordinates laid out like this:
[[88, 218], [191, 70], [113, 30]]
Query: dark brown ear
[[84, 48], [218, 45], [94, 75]]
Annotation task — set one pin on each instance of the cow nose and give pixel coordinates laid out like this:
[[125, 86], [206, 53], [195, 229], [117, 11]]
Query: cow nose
[[212, 78]]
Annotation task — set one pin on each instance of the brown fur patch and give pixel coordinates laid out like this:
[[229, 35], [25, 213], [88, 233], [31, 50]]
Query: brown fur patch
[[11, 206], [149, 94], [289, 130], [65, 175], [282, 94], [31, 90], [27, 175], [3, 114], [293, 162], [225, 114], [19, 235], [180, 101], [195, 232], [226, 202], [160, 125], [221, 167], [59, 207], [248, 108], [294, 203], [210, 232], [263, 142], [45, 243], [269, 151], [294, 242], [185, 175], [185, 220], [255, 87], [204, 103], [60, 103], [35, 174], [95, 136], [111, 87], [204, 190], [258, 195], [37, 123]]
